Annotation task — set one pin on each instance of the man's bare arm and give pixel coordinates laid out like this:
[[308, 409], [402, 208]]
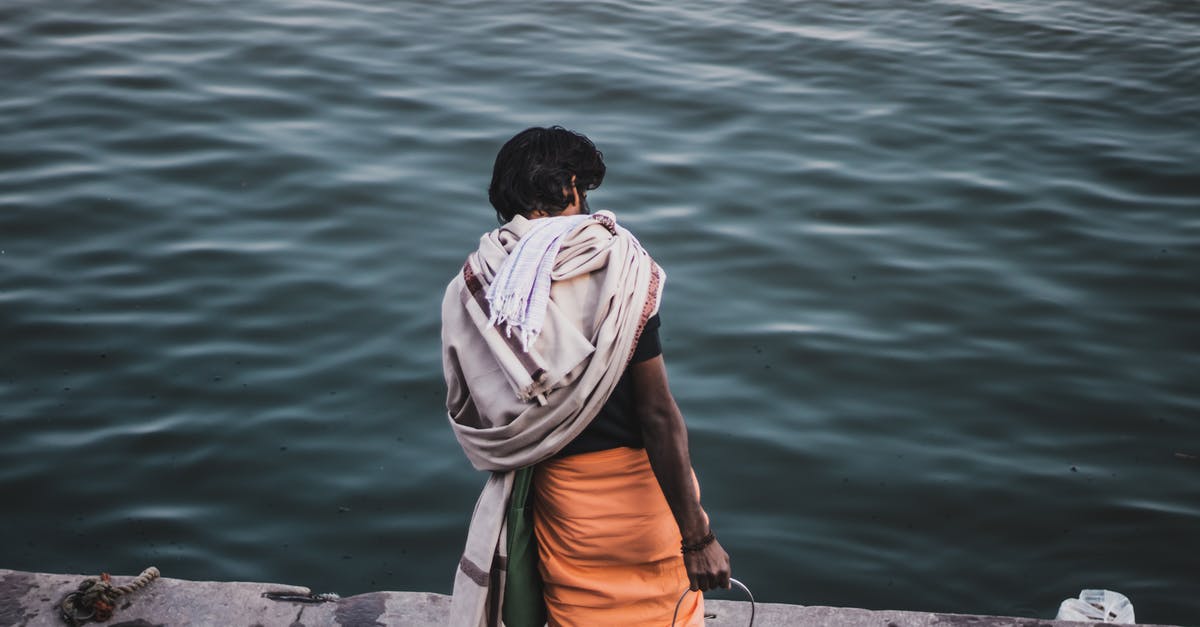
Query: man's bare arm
[[666, 440]]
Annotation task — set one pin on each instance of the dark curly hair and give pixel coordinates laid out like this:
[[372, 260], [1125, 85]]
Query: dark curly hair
[[533, 171]]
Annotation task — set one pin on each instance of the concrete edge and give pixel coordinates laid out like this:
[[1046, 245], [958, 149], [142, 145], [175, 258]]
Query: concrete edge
[[30, 599]]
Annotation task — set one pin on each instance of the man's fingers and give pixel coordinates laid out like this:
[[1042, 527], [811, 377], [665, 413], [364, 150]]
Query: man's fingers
[[708, 576]]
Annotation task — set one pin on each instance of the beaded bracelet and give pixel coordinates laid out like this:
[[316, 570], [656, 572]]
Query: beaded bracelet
[[686, 548]]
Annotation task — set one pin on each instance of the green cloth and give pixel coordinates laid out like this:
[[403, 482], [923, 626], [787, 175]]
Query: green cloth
[[524, 605]]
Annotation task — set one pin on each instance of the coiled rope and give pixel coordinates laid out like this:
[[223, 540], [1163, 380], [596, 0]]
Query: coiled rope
[[732, 582], [96, 597]]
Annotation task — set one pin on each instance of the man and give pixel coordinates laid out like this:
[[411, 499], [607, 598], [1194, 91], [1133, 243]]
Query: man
[[553, 363]]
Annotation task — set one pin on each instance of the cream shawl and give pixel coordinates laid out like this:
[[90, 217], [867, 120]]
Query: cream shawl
[[511, 408]]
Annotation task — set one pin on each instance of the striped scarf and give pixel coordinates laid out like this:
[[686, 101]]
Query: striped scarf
[[521, 290]]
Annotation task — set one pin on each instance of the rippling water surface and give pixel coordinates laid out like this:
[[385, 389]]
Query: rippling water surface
[[931, 309]]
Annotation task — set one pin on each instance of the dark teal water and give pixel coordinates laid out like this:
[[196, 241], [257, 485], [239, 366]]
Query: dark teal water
[[931, 307]]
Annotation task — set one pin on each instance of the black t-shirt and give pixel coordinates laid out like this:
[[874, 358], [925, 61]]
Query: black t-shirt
[[617, 423]]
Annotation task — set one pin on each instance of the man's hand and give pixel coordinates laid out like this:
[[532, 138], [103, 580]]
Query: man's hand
[[707, 568]]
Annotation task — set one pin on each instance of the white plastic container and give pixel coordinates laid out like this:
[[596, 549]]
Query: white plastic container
[[1103, 606]]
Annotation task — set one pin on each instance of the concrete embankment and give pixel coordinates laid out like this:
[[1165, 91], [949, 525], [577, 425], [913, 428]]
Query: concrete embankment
[[31, 599]]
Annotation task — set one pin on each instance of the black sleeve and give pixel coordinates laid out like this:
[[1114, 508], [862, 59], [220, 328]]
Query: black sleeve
[[648, 346]]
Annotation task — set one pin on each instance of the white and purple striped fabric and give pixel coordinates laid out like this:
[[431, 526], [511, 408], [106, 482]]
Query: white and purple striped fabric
[[520, 292]]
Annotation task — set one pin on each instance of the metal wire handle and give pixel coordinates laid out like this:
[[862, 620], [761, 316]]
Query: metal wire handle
[[732, 582]]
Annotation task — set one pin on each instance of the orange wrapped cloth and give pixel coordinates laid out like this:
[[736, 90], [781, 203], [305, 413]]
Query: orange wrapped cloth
[[608, 544]]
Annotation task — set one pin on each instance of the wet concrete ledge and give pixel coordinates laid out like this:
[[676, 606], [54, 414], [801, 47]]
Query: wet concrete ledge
[[31, 599]]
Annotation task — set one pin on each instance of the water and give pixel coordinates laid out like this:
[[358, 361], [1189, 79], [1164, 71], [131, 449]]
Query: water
[[931, 306]]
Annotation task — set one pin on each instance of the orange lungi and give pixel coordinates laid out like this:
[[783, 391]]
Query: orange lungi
[[608, 544]]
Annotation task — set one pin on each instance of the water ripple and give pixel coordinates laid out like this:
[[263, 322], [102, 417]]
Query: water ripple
[[931, 282]]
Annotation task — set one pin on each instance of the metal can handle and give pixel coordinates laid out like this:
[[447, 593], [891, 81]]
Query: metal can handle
[[732, 582]]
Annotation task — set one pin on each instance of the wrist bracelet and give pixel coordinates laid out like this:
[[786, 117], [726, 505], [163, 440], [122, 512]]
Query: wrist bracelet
[[686, 548]]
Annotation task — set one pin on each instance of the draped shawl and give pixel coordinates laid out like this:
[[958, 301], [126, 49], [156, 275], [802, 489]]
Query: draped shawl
[[510, 408]]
